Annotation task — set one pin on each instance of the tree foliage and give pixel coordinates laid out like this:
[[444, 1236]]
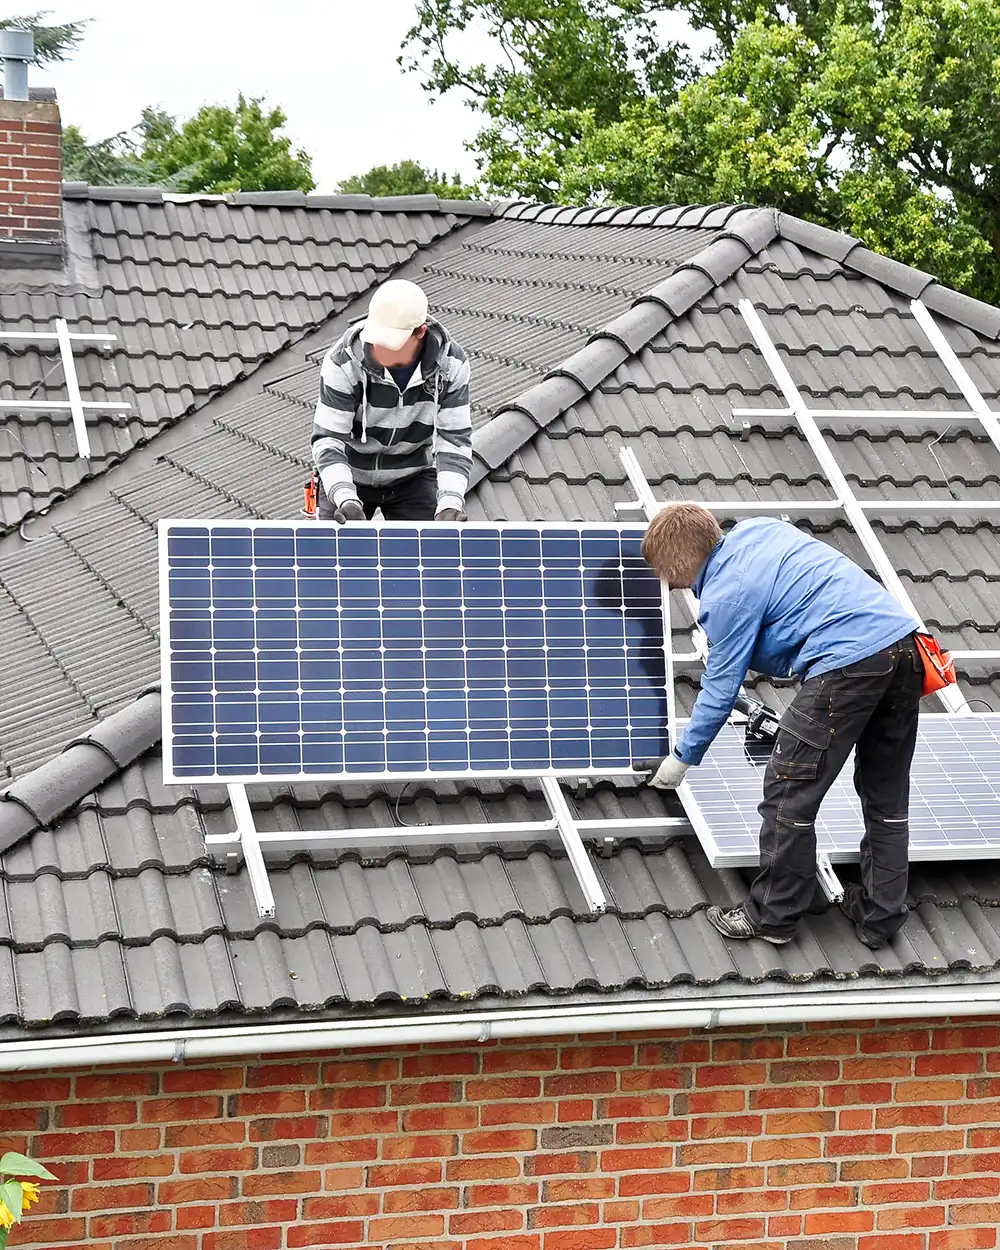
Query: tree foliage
[[406, 178], [218, 150], [226, 149], [55, 42], [112, 162], [561, 62], [879, 119]]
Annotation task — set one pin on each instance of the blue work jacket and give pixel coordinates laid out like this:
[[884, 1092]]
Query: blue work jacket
[[779, 602]]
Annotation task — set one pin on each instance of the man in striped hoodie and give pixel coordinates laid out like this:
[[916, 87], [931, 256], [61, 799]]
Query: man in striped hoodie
[[393, 427]]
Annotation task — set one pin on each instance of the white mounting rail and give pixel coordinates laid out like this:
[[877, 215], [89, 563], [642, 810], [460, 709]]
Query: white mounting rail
[[845, 502], [251, 844], [77, 406], [855, 510], [951, 696]]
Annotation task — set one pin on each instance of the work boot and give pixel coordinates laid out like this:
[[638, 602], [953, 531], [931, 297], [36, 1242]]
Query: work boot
[[853, 907], [737, 924]]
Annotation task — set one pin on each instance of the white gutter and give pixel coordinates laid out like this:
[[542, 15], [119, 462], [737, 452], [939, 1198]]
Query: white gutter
[[176, 1046]]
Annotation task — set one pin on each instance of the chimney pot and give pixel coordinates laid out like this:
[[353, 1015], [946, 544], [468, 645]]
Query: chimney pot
[[17, 50]]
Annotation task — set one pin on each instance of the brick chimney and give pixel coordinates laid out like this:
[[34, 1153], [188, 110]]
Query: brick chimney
[[31, 234]]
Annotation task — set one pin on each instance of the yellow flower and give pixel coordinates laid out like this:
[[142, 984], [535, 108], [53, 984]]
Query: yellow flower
[[6, 1216], [30, 1192]]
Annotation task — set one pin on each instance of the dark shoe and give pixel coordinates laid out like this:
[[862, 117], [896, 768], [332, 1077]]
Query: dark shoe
[[737, 924], [853, 907]]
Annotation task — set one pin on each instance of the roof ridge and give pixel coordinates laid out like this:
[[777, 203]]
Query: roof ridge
[[285, 199], [40, 797], [744, 232], [972, 313], [975, 314], [675, 216]]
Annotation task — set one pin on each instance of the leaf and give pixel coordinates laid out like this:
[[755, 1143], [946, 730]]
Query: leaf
[[10, 1193], [13, 1164], [4, 1234]]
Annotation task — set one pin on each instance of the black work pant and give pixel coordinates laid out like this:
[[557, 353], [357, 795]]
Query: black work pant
[[873, 707], [412, 499]]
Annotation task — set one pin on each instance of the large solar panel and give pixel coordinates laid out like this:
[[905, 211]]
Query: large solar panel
[[954, 795], [305, 650]]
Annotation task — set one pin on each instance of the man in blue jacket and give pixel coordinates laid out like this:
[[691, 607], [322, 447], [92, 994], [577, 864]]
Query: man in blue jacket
[[777, 601]]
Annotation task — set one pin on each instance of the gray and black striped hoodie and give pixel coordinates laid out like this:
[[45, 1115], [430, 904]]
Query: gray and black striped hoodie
[[369, 433]]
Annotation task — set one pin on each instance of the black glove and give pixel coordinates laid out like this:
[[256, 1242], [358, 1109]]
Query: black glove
[[450, 514], [349, 510]]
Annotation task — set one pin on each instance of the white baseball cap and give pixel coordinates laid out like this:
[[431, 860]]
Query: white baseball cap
[[397, 309]]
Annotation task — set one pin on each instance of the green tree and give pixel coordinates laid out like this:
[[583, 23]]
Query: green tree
[[53, 43], [217, 150], [112, 162], [406, 178], [560, 62], [226, 149], [882, 121]]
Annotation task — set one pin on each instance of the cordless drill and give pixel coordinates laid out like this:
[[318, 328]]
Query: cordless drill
[[762, 722]]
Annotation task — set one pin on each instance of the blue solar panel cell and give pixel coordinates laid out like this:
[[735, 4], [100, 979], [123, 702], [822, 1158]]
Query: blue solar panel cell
[[954, 795], [306, 650]]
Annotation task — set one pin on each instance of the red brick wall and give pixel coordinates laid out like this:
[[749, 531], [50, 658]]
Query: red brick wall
[[849, 1139], [30, 171]]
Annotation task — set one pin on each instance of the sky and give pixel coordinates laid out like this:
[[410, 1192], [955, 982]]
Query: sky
[[329, 64]]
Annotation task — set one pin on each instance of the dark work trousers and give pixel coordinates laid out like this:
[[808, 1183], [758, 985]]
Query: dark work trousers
[[412, 499], [873, 706]]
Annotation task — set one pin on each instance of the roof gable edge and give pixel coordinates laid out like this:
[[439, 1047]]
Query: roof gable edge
[[974, 314]]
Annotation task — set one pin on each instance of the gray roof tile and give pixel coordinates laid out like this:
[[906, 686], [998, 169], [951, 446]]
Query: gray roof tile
[[112, 937], [983, 318], [817, 238], [198, 293], [111, 906]]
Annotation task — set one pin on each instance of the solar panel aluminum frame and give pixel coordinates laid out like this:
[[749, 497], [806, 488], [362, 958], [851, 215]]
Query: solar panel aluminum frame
[[918, 850], [251, 846], [170, 777]]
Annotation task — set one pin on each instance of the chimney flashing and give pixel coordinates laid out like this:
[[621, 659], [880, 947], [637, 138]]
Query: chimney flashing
[[36, 93], [29, 254]]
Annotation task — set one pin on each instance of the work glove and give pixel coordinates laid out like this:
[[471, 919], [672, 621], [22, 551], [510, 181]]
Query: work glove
[[349, 510], [450, 514], [667, 773]]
